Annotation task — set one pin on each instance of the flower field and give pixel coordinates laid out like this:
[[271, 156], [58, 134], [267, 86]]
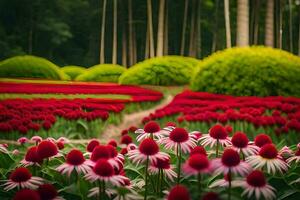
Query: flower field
[[164, 163], [85, 117]]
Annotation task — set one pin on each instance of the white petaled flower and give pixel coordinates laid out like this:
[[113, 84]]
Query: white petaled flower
[[217, 134], [74, 161], [164, 166], [22, 178], [48, 191], [3, 148], [197, 164], [295, 157], [179, 139], [152, 129], [148, 149], [104, 171], [36, 139], [230, 163], [255, 184], [285, 152], [240, 143], [268, 157], [221, 182], [23, 140]]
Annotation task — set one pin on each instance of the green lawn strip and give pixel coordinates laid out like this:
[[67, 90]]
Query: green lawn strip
[[64, 96]]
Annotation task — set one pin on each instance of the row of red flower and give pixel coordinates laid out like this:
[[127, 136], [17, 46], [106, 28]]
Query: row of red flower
[[283, 112], [138, 94]]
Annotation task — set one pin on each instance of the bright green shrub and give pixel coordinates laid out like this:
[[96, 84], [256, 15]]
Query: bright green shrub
[[30, 67], [102, 73], [167, 70], [257, 71], [73, 71]]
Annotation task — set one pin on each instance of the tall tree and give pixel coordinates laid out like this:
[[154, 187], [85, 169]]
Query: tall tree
[[198, 30], [299, 31], [166, 34], [130, 34], [182, 46], [115, 38], [150, 29], [216, 27], [256, 21], [160, 29], [124, 47], [102, 56], [192, 46], [242, 38], [227, 23], [291, 26], [269, 24]]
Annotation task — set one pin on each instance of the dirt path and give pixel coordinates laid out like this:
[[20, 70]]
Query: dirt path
[[133, 119]]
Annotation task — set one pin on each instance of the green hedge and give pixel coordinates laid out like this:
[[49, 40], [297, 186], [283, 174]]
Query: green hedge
[[257, 71], [102, 73], [167, 70], [30, 67], [73, 71]]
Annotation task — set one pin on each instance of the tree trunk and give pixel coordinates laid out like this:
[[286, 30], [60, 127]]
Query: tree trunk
[[242, 38], [115, 38], [166, 34], [147, 43], [130, 37], [269, 24], [160, 30], [134, 46], [124, 48], [198, 30], [256, 22], [227, 23], [30, 34], [216, 28], [182, 48], [291, 26], [299, 32], [192, 52], [150, 28], [278, 24], [102, 56]]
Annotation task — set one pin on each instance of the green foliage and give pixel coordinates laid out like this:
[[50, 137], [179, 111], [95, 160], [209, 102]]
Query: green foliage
[[73, 71], [167, 70], [102, 73], [30, 67], [257, 71]]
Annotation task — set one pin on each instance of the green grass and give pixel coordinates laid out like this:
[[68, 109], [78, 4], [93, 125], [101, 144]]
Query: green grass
[[64, 96]]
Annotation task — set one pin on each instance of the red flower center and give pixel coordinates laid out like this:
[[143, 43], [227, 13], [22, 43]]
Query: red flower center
[[126, 139], [268, 151], [112, 151], [198, 150], [162, 163], [103, 168], [148, 147], [75, 157], [218, 132], [21, 174], [100, 151], [179, 192], [240, 140], [92, 144], [262, 139], [47, 192], [179, 135], [151, 127], [26, 194], [256, 179], [32, 155], [113, 143], [198, 162], [230, 158], [297, 152], [211, 196], [47, 149]]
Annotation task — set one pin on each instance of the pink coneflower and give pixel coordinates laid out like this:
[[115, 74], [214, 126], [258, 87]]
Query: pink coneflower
[[178, 192], [262, 139], [240, 143], [74, 161], [221, 182], [126, 139], [197, 164], [285, 152], [47, 149], [32, 157], [91, 146], [295, 157], [113, 143], [269, 157], [63, 140], [27, 194], [151, 129], [60, 145], [3, 148], [255, 184], [22, 178], [148, 149], [198, 150], [162, 166], [217, 135], [179, 139], [37, 139], [115, 159], [23, 140], [48, 191], [211, 196]]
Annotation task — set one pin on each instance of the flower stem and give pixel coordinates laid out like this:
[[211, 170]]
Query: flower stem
[[199, 183], [179, 163], [229, 186], [161, 182], [100, 190], [146, 178], [217, 149]]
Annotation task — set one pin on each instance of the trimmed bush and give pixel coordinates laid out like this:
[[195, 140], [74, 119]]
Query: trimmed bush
[[73, 71], [259, 71], [102, 73], [167, 70], [30, 67]]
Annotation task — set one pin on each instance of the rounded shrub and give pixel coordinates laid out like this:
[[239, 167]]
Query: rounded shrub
[[167, 70], [102, 73], [73, 71], [259, 71], [30, 67]]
